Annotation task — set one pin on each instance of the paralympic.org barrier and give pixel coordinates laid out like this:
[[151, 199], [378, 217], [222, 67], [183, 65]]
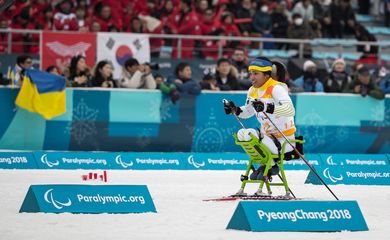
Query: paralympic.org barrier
[[363, 169], [130, 161], [171, 161], [298, 216], [88, 199]]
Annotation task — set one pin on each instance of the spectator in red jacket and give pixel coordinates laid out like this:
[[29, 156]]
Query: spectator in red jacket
[[210, 22], [65, 19], [132, 9], [210, 47], [185, 22], [82, 20], [3, 36], [201, 7], [24, 42], [45, 20], [105, 19], [227, 24]]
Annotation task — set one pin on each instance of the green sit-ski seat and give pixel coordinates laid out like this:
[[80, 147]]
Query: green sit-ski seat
[[260, 154]]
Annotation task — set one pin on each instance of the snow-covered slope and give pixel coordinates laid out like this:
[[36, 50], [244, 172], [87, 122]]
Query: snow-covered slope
[[181, 213]]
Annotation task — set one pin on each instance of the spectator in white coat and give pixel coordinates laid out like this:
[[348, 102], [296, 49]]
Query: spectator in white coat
[[137, 76]]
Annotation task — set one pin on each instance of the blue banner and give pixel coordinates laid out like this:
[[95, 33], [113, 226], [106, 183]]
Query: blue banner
[[353, 175], [18, 160], [298, 216], [88, 199], [97, 120]]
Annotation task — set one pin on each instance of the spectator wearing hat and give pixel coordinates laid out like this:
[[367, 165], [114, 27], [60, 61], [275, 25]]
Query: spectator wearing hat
[[338, 79], [310, 79], [364, 85]]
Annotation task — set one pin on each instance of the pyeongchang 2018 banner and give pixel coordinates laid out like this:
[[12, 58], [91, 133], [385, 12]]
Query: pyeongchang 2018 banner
[[59, 47], [118, 47]]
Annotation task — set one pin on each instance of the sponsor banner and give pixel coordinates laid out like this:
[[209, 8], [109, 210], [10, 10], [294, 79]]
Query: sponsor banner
[[298, 216], [59, 47], [355, 159], [118, 47], [298, 164], [351, 174], [88, 199], [18, 160]]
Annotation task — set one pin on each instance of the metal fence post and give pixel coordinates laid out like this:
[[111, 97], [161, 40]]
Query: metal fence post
[[300, 50], [179, 47]]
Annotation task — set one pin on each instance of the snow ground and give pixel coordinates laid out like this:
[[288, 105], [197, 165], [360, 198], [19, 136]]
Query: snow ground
[[182, 214]]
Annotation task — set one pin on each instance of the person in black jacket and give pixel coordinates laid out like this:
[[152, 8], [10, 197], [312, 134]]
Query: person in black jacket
[[226, 76], [103, 75], [338, 79], [78, 74]]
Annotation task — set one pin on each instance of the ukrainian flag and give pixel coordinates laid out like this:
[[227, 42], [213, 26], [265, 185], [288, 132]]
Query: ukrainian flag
[[43, 93]]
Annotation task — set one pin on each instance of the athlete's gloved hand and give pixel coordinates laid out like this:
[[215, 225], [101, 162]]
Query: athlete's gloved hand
[[231, 108], [260, 106]]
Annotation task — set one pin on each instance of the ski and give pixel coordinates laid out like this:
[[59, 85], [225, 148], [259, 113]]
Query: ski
[[252, 198]]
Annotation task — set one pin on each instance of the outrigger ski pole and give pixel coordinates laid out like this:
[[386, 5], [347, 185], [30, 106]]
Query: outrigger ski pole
[[302, 157]]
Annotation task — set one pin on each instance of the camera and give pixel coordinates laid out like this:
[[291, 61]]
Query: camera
[[82, 73], [153, 65], [4, 80]]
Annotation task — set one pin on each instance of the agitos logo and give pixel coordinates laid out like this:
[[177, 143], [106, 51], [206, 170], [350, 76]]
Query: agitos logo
[[334, 179], [44, 160], [192, 161], [119, 161], [57, 204]]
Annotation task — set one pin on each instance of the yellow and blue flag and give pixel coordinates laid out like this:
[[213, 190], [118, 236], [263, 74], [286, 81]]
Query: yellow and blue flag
[[43, 93]]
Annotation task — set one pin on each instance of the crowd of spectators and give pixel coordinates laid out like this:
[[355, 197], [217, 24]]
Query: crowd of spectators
[[228, 75], [305, 19], [266, 18]]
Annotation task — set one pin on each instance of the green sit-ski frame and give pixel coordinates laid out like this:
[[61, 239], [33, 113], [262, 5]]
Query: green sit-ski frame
[[260, 154]]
